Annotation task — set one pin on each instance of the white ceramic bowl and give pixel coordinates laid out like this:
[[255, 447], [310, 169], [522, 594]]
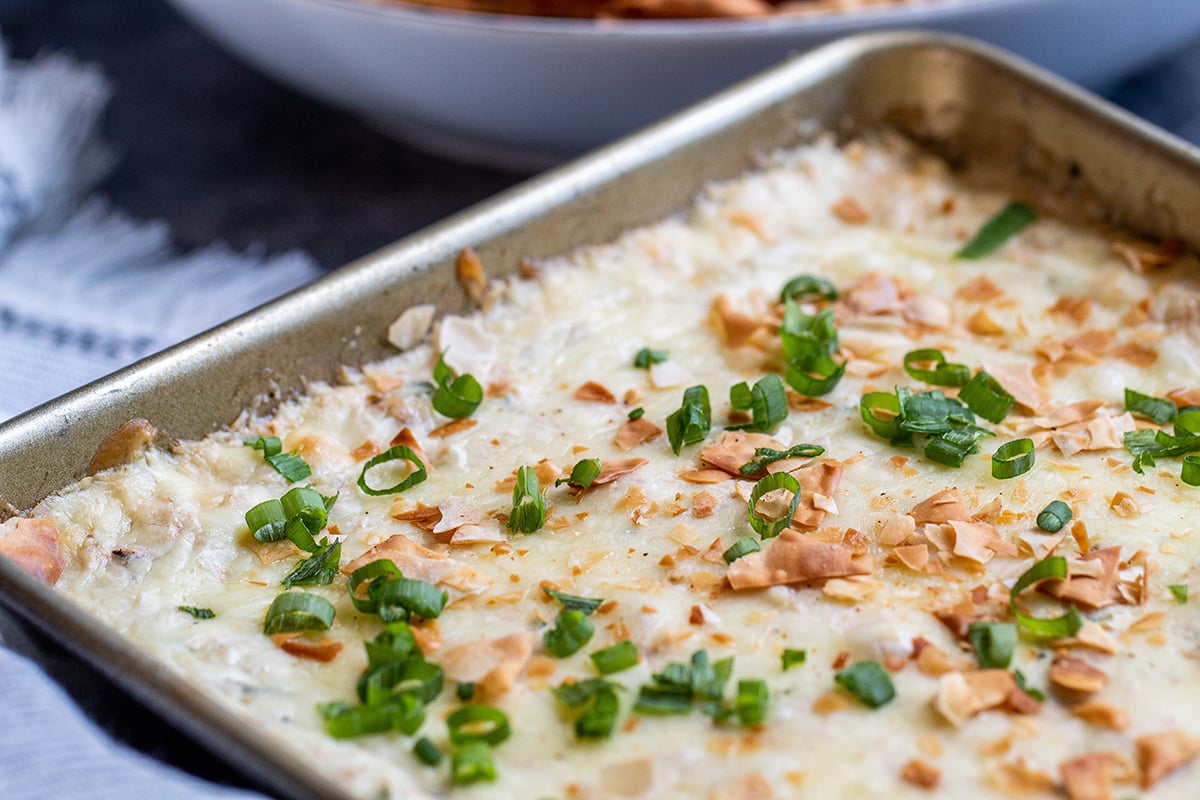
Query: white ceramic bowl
[[526, 91]]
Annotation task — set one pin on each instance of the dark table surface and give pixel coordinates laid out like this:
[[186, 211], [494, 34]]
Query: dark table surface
[[223, 154]]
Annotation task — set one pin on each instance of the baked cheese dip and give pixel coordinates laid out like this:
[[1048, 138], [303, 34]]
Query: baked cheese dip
[[850, 482]]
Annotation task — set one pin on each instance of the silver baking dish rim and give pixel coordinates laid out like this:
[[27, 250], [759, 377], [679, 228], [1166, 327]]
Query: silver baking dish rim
[[984, 110]]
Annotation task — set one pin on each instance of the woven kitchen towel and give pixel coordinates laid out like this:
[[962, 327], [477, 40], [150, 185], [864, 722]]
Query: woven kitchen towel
[[85, 290]]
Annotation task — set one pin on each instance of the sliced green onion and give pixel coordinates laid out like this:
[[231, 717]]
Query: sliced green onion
[[456, 396], [767, 404], [994, 643], [396, 598], [472, 763], [809, 344], [1187, 423], [427, 752], [402, 713], [571, 631], [1158, 409], [575, 694], [637, 414], [984, 395], [868, 682], [528, 503], [709, 679], [1180, 592], [570, 602], [951, 447], [645, 357], [807, 287], [815, 378], [298, 611], [317, 570], [198, 613], [882, 413], [269, 445], [793, 658], [394, 643], [291, 466], [465, 691], [307, 511], [599, 718], [1023, 685], [397, 452], [412, 675], [582, 474], [1054, 516], [1191, 470], [692, 422], [1012, 459], [1066, 625], [750, 705], [764, 456], [933, 413], [941, 374], [777, 480], [267, 521], [999, 229], [742, 547], [663, 700], [478, 724], [739, 396], [368, 573], [619, 656]]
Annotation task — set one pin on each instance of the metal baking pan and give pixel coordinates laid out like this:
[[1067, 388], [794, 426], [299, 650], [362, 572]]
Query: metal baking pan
[[984, 111]]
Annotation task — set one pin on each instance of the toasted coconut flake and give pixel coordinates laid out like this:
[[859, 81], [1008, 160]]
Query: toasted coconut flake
[[1076, 677], [611, 470], [818, 481], [705, 476], [1124, 506], [411, 327], [1018, 778], [1091, 580], [794, 558], [407, 438], [1135, 353], [913, 556], [424, 517], [494, 664], [977, 541], [896, 530], [1160, 754], [1088, 777], [736, 328], [323, 650], [732, 449], [487, 531], [456, 512], [921, 774], [752, 786], [1184, 397], [849, 211], [1041, 544], [1143, 256], [979, 290], [592, 392], [452, 427], [703, 504], [32, 544], [1077, 308], [934, 661], [1068, 415], [468, 269], [123, 446], [945, 506], [854, 589], [962, 695], [875, 294], [1019, 381], [927, 311], [635, 432], [1102, 715], [982, 324], [423, 564], [798, 402], [1093, 635]]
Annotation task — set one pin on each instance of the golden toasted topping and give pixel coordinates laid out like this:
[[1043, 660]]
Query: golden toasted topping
[[703, 504], [962, 695], [1077, 308], [896, 530], [982, 324], [913, 556], [1018, 779], [1102, 715], [732, 449], [593, 392], [1074, 677], [1093, 635], [934, 661], [32, 544], [407, 438], [452, 427], [945, 506], [752, 786], [611, 470], [634, 432], [1144, 256], [921, 774], [1123, 505], [795, 558], [850, 212], [979, 541], [300, 646], [1019, 381], [1088, 777], [1160, 754], [123, 446], [422, 564], [1184, 397], [1092, 580], [735, 327], [468, 268], [411, 327], [494, 664], [979, 290]]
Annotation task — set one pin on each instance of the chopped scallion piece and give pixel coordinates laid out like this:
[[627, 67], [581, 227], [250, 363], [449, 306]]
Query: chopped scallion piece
[[1023, 685], [392, 596], [739, 396], [410, 675], [999, 229], [1190, 473], [637, 414], [582, 474], [793, 658], [319, 569], [298, 611], [1180, 592], [1012, 459], [427, 752], [465, 692], [768, 529], [402, 712], [767, 402], [570, 602], [883, 414], [198, 613], [472, 763], [397, 452], [620, 656], [528, 513], [291, 466], [663, 700], [750, 705], [764, 456], [952, 446], [692, 422], [803, 288], [984, 395], [742, 547], [929, 365], [645, 357], [595, 701], [1054, 516], [868, 682], [1066, 625], [456, 396], [267, 521], [1158, 409], [809, 345], [307, 511], [994, 643], [478, 724], [571, 631]]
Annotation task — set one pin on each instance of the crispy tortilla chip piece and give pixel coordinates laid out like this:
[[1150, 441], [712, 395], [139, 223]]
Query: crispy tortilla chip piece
[[732, 449], [795, 558], [1160, 754], [422, 564], [1092, 580], [32, 544], [945, 506], [494, 664]]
